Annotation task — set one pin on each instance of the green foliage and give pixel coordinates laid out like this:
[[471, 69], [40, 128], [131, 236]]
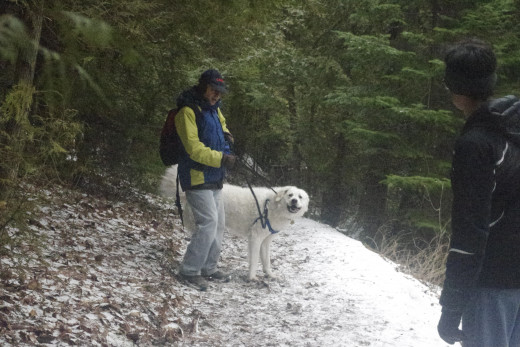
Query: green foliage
[[420, 203], [12, 37], [371, 50], [16, 104], [340, 97], [416, 183], [15, 131], [92, 31]]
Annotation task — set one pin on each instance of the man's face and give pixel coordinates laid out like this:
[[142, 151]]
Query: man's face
[[458, 101], [212, 95]]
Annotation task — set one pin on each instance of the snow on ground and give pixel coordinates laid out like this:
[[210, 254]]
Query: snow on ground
[[106, 277]]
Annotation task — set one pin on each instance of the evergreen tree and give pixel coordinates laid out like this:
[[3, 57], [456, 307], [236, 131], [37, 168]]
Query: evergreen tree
[[342, 98]]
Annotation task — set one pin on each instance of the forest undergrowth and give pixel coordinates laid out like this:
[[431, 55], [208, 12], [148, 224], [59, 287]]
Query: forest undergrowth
[[423, 258]]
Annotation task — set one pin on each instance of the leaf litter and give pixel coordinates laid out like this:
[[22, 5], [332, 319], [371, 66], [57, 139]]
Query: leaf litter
[[104, 274]]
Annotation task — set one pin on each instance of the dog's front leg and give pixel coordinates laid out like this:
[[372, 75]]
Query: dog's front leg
[[254, 251], [265, 256]]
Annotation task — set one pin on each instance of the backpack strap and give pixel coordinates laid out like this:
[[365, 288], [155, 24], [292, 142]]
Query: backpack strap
[[178, 200]]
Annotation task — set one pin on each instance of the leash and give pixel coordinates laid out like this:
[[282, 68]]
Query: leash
[[262, 217], [253, 171], [178, 200]]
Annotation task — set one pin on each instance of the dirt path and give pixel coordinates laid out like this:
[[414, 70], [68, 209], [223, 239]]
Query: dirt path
[[99, 273]]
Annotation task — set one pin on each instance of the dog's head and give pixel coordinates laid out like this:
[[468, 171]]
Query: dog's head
[[296, 200]]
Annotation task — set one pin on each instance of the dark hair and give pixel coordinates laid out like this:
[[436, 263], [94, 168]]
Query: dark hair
[[212, 78], [201, 87], [470, 69]]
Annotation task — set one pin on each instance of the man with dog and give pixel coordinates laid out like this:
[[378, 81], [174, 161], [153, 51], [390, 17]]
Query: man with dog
[[202, 168], [482, 286]]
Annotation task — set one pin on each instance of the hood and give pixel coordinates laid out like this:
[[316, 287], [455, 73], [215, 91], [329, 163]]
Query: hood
[[192, 97], [501, 115]]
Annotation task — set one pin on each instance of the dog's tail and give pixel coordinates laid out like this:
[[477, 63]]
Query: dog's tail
[[168, 184], [169, 188]]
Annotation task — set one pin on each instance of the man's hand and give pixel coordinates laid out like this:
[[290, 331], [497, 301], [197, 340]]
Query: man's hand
[[228, 160], [448, 327], [229, 138]]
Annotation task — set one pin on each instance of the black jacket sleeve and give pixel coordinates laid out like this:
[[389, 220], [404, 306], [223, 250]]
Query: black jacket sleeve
[[472, 184]]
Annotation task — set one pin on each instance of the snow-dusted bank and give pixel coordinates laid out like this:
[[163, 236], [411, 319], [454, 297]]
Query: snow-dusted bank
[[334, 292], [105, 278]]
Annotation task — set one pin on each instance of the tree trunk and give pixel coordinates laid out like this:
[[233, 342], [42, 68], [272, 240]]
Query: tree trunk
[[32, 16], [296, 158], [372, 206], [334, 199]]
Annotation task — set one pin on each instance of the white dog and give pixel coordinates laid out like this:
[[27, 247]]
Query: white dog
[[280, 205]]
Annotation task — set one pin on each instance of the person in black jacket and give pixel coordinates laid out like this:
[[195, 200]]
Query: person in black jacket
[[482, 286]]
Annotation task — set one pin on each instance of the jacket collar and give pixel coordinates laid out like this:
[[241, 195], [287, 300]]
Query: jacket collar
[[192, 97]]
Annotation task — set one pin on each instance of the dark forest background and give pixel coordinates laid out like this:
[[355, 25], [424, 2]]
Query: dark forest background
[[342, 98]]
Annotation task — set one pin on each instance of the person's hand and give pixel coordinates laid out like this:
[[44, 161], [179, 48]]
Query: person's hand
[[448, 327], [229, 138], [228, 160]]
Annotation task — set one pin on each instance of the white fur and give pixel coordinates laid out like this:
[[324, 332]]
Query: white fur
[[284, 206]]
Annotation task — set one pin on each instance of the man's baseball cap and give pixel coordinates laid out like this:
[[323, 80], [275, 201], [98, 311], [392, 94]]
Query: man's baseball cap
[[213, 78]]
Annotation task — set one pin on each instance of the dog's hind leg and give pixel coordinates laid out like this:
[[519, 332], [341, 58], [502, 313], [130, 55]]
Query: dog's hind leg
[[254, 252], [265, 256]]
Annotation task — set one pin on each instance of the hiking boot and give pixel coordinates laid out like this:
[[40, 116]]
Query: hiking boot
[[197, 281], [219, 275]]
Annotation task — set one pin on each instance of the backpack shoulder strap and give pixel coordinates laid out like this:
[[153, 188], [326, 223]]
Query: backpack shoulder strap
[[178, 200]]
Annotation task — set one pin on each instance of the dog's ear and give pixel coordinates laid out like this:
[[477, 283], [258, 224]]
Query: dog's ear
[[279, 196], [306, 199]]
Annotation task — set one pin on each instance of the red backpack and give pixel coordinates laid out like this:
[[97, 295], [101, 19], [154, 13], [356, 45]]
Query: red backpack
[[170, 144]]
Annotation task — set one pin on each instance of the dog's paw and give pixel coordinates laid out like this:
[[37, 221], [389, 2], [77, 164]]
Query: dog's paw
[[272, 275]]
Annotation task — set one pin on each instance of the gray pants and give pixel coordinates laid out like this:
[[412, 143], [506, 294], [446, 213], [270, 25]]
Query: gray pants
[[203, 252], [492, 318]]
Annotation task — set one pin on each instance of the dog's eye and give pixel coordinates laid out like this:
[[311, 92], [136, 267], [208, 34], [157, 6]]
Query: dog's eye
[[290, 195], [300, 196]]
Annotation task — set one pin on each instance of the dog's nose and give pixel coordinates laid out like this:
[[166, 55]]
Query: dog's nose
[[294, 201]]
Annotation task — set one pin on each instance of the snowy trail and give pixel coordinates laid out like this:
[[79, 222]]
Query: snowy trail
[[104, 277], [332, 292]]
